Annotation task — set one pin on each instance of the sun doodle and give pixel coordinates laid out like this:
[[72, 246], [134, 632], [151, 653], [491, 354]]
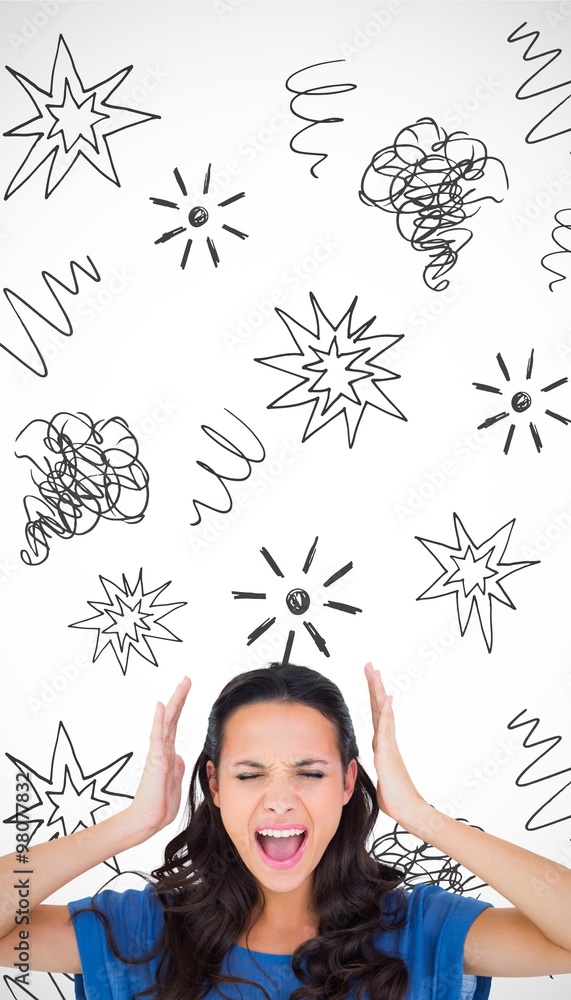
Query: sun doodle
[[338, 369], [197, 216], [298, 602], [520, 402]]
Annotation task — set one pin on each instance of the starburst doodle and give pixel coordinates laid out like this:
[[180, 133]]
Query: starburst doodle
[[297, 601], [129, 619], [197, 216], [338, 370], [68, 800], [473, 574], [53, 986], [520, 403], [72, 121]]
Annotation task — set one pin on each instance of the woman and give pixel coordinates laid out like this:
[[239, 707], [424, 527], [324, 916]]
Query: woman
[[305, 914]]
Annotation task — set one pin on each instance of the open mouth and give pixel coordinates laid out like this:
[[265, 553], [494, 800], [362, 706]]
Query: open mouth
[[281, 852]]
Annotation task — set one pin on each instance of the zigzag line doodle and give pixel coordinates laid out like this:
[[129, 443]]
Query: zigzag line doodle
[[562, 229], [227, 445], [65, 330], [550, 55], [322, 91], [553, 741]]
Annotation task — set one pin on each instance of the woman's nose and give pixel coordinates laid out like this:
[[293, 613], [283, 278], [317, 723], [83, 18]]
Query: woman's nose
[[280, 796]]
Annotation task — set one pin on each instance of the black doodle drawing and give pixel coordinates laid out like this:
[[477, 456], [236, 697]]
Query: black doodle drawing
[[128, 619], [520, 402], [71, 121], [473, 574], [297, 601], [84, 471], [422, 863], [43, 986], [233, 449], [551, 742], [197, 216], [526, 91], [24, 308], [338, 370], [433, 182], [67, 800], [307, 95], [561, 232]]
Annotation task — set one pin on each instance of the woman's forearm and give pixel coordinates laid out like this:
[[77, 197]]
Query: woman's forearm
[[540, 888], [51, 865]]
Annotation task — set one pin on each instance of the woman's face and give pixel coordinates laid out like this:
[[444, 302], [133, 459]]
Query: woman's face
[[267, 778]]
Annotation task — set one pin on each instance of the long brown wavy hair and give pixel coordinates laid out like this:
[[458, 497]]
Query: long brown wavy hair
[[210, 897]]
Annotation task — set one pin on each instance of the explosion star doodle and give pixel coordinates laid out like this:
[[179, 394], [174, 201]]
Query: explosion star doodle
[[129, 619], [197, 216], [297, 601], [72, 121], [54, 986], [68, 799], [344, 377], [520, 402], [473, 574]]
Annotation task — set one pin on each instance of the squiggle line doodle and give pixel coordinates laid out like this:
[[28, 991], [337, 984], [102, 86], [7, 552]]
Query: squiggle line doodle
[[553, 53], [227, 445], [552, 741], [432, 182], [66, 331], [86, 471], [422, 863], [321, 91], [563, 230]]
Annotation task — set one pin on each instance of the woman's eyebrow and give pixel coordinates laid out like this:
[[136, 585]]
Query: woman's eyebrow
[[299, 763]]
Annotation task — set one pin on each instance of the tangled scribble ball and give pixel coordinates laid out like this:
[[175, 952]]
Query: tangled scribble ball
[[422, 863], [84, 470], [433, 182]]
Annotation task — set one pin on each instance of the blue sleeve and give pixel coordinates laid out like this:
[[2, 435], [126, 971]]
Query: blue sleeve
[[136, 919], [432, 944]]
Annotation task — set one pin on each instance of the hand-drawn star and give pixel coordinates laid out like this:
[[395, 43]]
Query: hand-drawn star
[[520, 403], [297, 601], [129, 619], [348, 376], [71, 115], [44, 986], [473, 574], [68, 799], [197, 216]]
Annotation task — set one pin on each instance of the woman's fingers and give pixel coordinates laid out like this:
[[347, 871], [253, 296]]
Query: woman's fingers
[[174, 708]]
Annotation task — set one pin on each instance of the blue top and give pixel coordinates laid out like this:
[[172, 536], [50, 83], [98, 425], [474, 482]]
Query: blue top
[[431, 942]]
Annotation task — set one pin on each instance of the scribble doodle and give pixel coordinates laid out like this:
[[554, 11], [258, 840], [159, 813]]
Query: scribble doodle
[[433, 182], [301, 90], [422, 863], [561, 232], [233, 449], [552, 742], [43, 986], [473, 574], [128, 619], [343, 374], [550, 55], [36, 363], [71, 121], [84, 470], [520, 402], [68, 799], [197, 216], [297, 601]]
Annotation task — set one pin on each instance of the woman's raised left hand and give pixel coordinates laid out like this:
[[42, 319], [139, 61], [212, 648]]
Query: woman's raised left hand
[[396, 794]]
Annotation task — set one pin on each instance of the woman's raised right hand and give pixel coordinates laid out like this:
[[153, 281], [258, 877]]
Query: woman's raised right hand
[[157, 800]]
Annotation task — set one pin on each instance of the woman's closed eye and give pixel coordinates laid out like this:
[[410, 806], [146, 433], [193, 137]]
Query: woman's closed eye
[[302, 774]]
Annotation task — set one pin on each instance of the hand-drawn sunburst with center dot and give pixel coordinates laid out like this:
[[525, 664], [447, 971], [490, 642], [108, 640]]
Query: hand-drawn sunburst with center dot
[[298, 602], [197, 217], [343, 374], [473, 574], [520, 403], [129, 619]]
